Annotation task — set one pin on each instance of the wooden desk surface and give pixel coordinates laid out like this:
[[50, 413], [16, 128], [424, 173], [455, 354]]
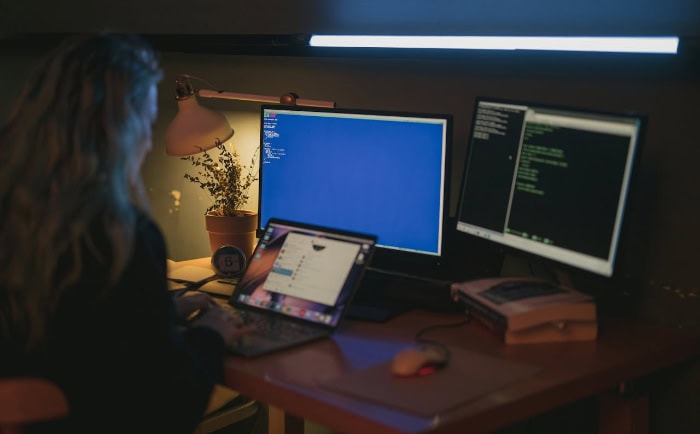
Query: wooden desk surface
[[289, 380], [571, 371]]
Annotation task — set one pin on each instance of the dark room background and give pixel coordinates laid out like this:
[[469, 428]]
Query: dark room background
[[211, 39]]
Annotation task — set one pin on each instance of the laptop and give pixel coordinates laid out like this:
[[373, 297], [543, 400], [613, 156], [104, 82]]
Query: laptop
[[298, 284]]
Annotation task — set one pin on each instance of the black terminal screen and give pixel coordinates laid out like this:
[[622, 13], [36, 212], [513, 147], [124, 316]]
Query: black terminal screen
[[549, 181]]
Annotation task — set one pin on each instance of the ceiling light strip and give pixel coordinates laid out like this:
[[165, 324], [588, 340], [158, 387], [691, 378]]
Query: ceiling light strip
[[640, 44]]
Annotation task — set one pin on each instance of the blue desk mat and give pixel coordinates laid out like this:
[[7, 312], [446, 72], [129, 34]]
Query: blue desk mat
[[468, 376]]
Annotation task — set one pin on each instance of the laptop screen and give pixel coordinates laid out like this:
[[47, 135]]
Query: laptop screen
[[304, 271]]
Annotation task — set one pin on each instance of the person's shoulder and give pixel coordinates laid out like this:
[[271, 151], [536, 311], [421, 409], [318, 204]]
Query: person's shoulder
[[147, 230], [145, 223]]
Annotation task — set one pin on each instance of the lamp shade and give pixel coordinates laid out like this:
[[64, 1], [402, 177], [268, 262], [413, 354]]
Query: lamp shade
[[195, 129]]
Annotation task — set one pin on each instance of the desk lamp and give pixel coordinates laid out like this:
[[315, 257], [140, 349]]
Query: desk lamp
[[197, 129]]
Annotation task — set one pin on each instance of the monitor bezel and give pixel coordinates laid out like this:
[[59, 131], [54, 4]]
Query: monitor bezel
[[387, 259], [557, 268]]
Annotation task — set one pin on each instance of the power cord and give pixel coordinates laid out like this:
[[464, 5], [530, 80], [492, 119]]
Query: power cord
[[443, 348]]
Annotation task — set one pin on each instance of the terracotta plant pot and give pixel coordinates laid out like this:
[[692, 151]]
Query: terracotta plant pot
[[236, 231]]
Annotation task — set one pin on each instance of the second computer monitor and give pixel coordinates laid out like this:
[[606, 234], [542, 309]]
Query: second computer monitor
[[550, 181], [370, 171]]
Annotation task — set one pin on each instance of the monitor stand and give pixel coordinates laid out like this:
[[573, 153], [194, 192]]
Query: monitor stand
[[519, 266], [373, 311], [372, 301], [385, 294]]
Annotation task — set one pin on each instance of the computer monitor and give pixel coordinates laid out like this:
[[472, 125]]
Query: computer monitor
[[550, 182], [372, 171]]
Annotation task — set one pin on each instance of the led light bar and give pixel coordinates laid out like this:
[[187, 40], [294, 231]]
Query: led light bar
[[636, 44]]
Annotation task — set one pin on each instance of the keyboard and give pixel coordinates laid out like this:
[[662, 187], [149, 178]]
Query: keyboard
[[519, 289], [277, 328], [272, 327]]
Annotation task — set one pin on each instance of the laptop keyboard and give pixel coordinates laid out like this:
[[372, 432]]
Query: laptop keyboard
[[274, 328], [277, 328]]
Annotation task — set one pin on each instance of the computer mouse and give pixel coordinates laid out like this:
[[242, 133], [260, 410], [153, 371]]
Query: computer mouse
[[416, 362]]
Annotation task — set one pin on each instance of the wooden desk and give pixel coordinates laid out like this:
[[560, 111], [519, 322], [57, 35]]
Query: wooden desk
[[624, 352]]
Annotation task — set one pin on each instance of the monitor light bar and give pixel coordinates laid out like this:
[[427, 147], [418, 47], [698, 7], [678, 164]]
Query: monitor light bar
[[637, 44]]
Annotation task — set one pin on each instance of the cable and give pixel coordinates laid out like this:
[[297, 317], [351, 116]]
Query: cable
[[445, 350]]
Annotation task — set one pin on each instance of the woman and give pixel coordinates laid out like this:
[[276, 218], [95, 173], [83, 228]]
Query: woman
[[83, 290]]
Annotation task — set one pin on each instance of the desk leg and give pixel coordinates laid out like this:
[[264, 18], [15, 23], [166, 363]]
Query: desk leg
[[280, 422], [624, 414]]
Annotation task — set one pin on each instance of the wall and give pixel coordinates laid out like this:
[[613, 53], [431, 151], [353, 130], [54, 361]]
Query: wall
[[611, 17], [662, 247], [663, 240]]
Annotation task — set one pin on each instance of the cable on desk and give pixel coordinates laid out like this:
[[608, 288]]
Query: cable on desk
[[446, 351]]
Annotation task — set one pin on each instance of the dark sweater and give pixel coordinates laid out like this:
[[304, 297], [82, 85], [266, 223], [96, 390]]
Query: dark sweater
[[121, 359]]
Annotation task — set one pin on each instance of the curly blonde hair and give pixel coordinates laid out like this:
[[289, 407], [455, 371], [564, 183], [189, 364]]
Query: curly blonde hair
[[70, 156]]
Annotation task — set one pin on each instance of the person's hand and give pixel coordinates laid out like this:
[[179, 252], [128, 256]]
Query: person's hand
[[189, 303], [225, 321]]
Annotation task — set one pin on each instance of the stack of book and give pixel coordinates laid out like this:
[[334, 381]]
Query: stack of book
[[529, 310]]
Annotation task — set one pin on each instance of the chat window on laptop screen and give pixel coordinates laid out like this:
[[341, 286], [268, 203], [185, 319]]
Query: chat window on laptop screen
[[303, 274], [311, 268]]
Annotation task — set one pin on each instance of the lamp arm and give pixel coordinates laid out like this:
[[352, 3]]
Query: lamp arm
[[289, 99]]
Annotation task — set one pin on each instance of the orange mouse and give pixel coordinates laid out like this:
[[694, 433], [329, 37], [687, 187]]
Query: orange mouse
[[412, 362]]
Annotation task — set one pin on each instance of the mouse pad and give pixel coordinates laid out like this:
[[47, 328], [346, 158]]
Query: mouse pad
[[467, 376]]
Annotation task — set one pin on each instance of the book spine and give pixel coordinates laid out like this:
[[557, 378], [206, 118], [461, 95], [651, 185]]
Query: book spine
[[573, 331], [496, 321]]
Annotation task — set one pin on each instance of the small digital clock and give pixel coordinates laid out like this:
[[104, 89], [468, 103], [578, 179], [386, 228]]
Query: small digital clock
[[228, 261]]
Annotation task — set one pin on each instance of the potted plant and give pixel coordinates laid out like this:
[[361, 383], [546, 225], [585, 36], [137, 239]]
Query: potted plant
[[227, 181]]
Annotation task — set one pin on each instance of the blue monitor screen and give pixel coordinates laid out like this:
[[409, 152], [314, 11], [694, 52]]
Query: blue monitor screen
[[368, 171]]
